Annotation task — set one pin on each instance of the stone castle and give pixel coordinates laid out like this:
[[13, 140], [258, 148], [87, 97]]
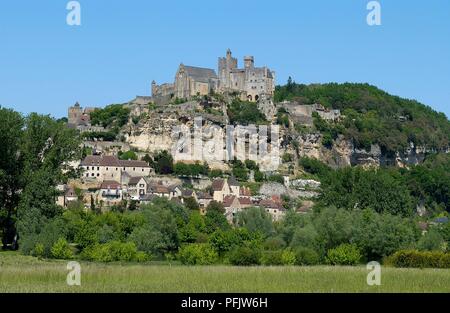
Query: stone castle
[[250, 83]]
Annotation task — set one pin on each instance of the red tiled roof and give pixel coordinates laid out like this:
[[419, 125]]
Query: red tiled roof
[[245, 201], [217, 184], [228, 200], [97, 160], [267, 203], [110, 184]]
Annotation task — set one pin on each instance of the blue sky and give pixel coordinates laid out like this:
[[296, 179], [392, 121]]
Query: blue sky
[[121, 46]]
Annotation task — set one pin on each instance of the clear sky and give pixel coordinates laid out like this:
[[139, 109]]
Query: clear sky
[[121, 46]]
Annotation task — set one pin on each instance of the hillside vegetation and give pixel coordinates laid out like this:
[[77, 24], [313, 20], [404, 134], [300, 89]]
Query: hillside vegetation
[[373, 116]]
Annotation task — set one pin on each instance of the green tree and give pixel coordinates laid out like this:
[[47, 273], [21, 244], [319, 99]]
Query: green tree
[[163, 163], [128, 155], [11, 133], [255, 220]]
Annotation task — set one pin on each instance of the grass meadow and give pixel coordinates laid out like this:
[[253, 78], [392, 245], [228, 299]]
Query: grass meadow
[[20, 273]]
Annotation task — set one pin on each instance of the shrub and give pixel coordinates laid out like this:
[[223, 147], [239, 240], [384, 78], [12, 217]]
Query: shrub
[[306, 256], [288, 257], [61, 250], [271, 257], [41, 244], [244, 256], [128, 155], [277, 178], [197, 254], [215, 173], [419, 259], [114, 251], [344, 254], [38, 250], [431, 241]]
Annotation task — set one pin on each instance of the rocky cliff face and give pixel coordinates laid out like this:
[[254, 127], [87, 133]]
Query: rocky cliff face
[[156, 133], [344, 153]]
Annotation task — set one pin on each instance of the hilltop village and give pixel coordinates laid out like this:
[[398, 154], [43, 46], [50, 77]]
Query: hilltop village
[[129, 150], [226, 166], [118, 164]]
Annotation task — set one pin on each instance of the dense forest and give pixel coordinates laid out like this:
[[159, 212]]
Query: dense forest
[[373, 116]]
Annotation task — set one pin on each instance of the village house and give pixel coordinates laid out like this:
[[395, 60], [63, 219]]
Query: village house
[[108, 167], [273, 207], [137, 187], [233, 205], [111, 192], [225, 187], [203, 199], [66, 195]]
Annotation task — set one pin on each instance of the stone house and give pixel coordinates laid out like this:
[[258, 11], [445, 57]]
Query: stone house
[[274, 208], [108, 167], [111, 192], [66, 195], [225, 187], [159, 190], [233, 205], [137, 187], [203, 199]]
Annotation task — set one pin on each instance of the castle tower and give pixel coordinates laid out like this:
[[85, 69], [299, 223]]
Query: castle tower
[[225, 66], [153, 88], [75, 113], [249, 61]]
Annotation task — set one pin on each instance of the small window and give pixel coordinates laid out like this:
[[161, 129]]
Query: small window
[[107, 169], [87, 175], [93, 175], [134, 169], [142, 169], [117, 169], [98, 168], [98, 175]]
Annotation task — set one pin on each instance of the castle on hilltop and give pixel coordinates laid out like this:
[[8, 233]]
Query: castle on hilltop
[[250, 83]]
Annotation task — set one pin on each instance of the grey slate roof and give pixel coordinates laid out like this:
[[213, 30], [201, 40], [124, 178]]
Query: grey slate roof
[[200, 74], [232, 181]]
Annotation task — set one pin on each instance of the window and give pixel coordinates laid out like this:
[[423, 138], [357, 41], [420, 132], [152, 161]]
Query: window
[[87, 175], [124, 168], [134, 169], [107, 168], [93, 175], [142, 169], [117, 169], [98, 168]]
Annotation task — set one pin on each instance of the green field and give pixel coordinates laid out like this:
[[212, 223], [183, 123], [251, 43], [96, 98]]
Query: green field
[[27, 274]]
